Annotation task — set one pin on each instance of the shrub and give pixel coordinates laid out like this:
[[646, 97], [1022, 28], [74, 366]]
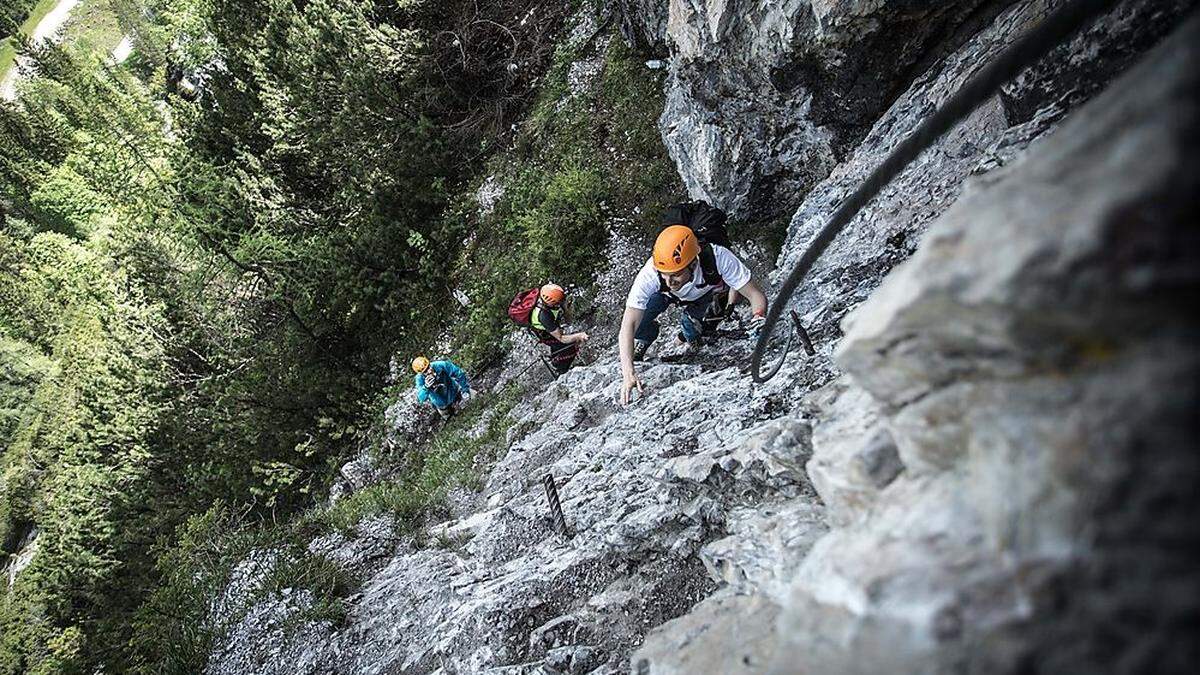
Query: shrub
[[214, 572]]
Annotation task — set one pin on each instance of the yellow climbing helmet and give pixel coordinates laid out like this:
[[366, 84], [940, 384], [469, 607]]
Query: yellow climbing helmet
[[675, 249], [420, 364]]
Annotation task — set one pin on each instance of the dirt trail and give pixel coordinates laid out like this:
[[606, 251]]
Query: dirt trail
[[46, 29], [122, 50]]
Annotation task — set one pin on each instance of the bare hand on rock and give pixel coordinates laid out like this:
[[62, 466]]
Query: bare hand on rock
[[630, 381]]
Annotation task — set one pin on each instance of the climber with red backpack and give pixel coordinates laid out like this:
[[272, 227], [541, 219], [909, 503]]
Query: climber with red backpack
[[691, 266], [541, 310]]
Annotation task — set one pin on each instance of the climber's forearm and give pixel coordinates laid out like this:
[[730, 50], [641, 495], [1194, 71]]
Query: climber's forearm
[[629, 324], [758, 301]]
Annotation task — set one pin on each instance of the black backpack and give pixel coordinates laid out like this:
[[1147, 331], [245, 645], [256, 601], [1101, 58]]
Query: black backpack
[[708, 224]]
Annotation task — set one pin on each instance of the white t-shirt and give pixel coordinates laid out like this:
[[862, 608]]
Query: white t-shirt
[[647, 283]]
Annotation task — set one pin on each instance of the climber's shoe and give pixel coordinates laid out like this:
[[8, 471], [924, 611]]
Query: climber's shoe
[[639, 349], [690, 347]]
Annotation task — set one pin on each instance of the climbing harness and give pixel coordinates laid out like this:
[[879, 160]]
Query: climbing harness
[[1052, 32], [546, 362]]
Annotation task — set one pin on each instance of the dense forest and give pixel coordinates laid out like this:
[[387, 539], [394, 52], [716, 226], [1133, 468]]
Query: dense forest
[[12, 14], [201, 295]]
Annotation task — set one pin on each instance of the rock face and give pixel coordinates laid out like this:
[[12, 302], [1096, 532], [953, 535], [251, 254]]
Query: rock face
[[888, 230], [25, 547], [655, 498], [765, 97], [992, 471], [1033, 369], [644, 24], [1038, 364]]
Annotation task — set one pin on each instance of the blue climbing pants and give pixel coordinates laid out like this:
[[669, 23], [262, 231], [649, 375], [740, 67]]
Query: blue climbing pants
[[693, 317]]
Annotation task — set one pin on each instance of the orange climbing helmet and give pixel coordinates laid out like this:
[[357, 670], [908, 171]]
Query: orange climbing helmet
[[552, 294], [420, 364], [675, 249]]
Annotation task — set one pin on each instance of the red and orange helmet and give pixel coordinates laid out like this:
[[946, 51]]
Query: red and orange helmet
[[552, 294], [675, 249]]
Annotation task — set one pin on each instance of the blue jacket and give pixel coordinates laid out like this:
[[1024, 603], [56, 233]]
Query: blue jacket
[[451, 385]]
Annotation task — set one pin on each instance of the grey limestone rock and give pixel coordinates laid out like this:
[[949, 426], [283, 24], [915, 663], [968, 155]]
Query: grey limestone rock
[[728, 633], [23, 552], [573, 660], [993, 474], [494, 587], [986, 461], [1036, 359], [360, 471], [765, 97], [887, 232]]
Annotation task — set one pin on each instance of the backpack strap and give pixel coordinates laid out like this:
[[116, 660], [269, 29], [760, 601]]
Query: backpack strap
[[535, 324], [708, 265], [533, 316]]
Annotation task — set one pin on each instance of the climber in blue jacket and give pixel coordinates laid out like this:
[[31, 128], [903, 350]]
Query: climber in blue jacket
[[442, 385]]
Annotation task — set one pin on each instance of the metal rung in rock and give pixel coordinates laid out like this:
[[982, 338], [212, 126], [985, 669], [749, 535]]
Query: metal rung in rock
[[556, 513]]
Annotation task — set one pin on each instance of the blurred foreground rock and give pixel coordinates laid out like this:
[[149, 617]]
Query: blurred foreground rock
[[1035, 363]]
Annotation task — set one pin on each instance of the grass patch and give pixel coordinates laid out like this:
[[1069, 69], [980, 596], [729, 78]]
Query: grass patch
[[456, 457], [178, 627], [8, 54], [39, 12], [93, 28], [8, 49]]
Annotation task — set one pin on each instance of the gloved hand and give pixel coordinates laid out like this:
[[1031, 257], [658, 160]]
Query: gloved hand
[[466, 396], [755, 325]]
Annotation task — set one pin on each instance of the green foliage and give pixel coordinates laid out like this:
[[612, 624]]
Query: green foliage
[[579, 159], [79, 460], [21, 369], [193, 607], [30, 643], [455, 457], [64, 203]]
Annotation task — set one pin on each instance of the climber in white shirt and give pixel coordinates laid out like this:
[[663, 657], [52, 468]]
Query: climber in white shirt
[[691, 273]]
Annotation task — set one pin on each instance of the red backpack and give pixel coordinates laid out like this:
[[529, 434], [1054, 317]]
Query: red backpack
[[522, 306]]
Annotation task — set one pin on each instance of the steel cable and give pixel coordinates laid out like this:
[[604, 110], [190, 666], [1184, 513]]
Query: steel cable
[[1027, 50]]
